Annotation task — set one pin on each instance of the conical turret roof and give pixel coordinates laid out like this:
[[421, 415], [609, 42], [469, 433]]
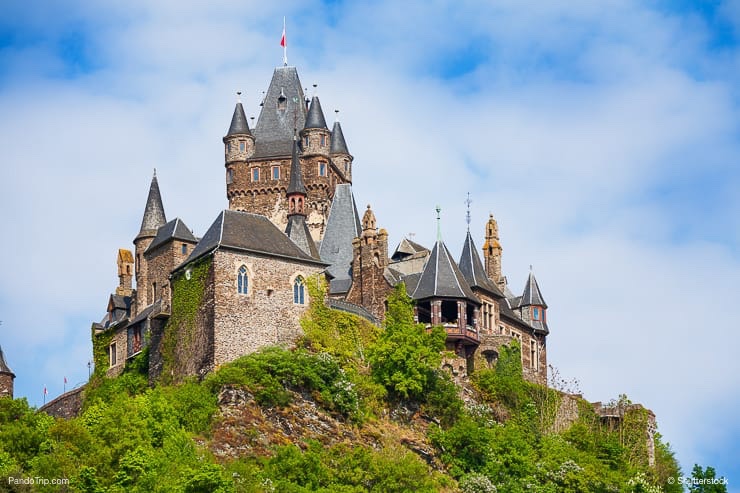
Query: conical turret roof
[[441, 278], [154, 217], [4, 368], [296, 176], [239, 125], [472, 268], [532, 294], [338, 144], [315, 117]]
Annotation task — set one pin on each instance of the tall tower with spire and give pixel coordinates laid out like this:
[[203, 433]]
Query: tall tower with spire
[[492, 254], [6, 377], [369, 287], [297, 229], [153, 219], [257, 178]]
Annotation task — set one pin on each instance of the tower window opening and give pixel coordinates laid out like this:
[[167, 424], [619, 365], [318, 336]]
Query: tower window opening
[[323, 140], [535, 313], [449, 312], [228, 147], [305, 141], [255, 174], [276, 172], [282, 103], [242, 146], [299, 291], [229, 176], [322, 169], [242, 281], [112, 356], [184, 249]]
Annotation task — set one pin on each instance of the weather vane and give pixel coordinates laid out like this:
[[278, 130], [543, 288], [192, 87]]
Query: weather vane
[[439, 226], [467, 214]]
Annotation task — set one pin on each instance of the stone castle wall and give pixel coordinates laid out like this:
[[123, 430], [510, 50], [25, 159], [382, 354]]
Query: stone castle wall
[[266, 315], [67, 405], [161, 262], [6, 385]]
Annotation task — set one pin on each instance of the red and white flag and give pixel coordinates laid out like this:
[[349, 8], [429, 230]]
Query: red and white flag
[[284, 44], [45, 391], [65, 380]]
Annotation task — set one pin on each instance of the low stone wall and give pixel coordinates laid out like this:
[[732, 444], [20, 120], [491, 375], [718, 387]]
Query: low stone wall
[[67, 405]]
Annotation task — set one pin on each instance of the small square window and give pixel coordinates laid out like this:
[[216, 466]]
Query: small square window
[[242, 146], [255, 174], [276, 172], [322, 169]]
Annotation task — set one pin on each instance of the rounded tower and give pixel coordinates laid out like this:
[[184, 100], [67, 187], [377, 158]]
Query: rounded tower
[[340, 156], [153, 219], [320, 179], [238, 148]]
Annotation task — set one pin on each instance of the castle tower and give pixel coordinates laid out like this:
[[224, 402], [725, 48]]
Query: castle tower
[[297, 229], [340, 156], [315, 141], [532, 305], [125, 263], [238, 148], [492, 254], [6, 377], [369, 287], [153, 219]]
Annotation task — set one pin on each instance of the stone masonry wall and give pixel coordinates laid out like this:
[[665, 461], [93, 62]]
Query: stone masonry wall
[[6, 385], [67, 405], [120, 339], [244, 323], [161, 262]]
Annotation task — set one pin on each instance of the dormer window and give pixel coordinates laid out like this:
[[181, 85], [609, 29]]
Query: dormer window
[[282, 102], [538, 313]]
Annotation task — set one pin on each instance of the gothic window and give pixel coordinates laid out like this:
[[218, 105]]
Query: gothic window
[[322, 169], [242, 281], [276, 172], [255, 174], [533, 355], [299, 291]]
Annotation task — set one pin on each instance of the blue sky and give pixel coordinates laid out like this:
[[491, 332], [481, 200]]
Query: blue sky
[[604, 137]]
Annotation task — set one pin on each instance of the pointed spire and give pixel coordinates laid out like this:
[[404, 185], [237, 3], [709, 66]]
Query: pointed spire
[[154, 216], [315, 117], [532, 294], [472, 268], [441, 277], [296, 176], [338, 144], [4, 368], [239, 125]]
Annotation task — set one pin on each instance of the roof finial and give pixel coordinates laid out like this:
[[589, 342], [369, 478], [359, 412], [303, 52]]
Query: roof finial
[[336, 115], [467, 214], [284, 44], [314, 89], [238, 96], [530, 268], [439, 225], [155, 172]]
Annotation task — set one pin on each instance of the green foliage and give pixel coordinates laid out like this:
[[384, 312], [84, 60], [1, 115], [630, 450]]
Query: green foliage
[[706, 481], [273, 373], [179, 333], [406, 357]]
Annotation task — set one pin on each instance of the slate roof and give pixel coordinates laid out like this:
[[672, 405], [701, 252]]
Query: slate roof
[[4, 368], [118, 302], [239, 125], [273, 133], [296, 176], [173, 230], [532, 294], [407, 248], [346, 306], [154, 216], [441, 278], [315, 117], [144, 314], [342, 226], [411, 281], [472, 268], [297, 230], [251, 233], [338, 144]]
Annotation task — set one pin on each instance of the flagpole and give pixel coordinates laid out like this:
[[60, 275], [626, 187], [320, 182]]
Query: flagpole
[[284, 42]]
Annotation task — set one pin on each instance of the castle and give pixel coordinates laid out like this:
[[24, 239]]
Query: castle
[[292, 215]]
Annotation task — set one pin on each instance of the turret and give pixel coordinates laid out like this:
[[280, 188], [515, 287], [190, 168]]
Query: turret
[[238, 147], [297, 229], [316, 136], [125, 263], [370, 259], [340, 156], [6, 377], [492, 254], [532, 305], [153, 219]]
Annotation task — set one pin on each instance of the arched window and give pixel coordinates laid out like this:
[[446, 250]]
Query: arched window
[[299, 291], [243, 281]]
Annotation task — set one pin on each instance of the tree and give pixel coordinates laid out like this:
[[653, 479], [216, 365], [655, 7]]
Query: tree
[[706, 481], [406, 356]]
